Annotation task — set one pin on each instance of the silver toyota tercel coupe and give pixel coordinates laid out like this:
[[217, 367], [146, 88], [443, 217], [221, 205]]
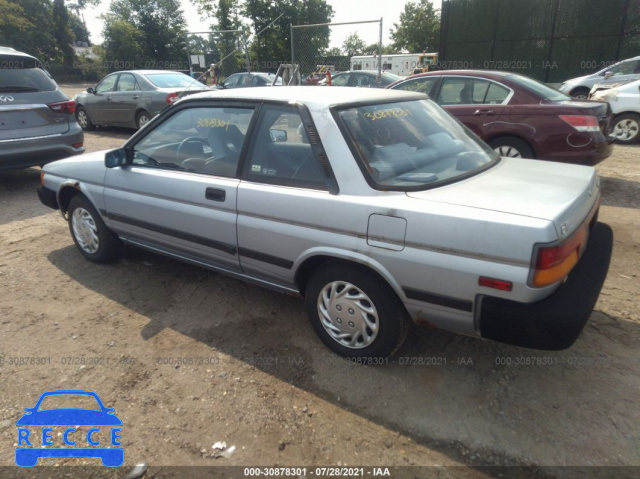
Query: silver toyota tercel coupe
[[376, 206]]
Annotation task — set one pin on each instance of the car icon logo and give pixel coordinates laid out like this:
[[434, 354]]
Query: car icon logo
[[102, 426]]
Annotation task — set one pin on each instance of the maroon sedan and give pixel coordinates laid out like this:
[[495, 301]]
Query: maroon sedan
[[519, 116]]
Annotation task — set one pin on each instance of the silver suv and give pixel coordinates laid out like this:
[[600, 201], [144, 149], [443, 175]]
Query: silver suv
[[37, 122]]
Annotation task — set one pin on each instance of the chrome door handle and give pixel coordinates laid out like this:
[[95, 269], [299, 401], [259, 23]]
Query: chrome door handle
[[483, 112]]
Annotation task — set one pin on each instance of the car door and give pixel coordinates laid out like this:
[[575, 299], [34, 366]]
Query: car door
[[476, 102], [178, 194], [283, 198], [99, 104], [125, 99]]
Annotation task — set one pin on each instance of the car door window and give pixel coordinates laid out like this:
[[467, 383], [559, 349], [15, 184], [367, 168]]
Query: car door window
[[496, 94], [232, 81], [420, 85], [463, 91], [201, 140], [626, 68], [340, 80], [127, 82], [281, 153], [107, 85], [363, 80]]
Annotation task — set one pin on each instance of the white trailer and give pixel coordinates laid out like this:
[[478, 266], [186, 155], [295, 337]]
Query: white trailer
[[402, 64]]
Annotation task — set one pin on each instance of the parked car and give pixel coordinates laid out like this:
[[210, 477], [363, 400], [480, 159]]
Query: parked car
[[360, 78], [132, 98], [381, 208], [622, 72], [36, 119], [249, 79], [518, 116], [625, 105]]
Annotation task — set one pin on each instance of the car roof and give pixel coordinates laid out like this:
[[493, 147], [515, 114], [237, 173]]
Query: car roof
[[146, 72], [483, 73], [309, 95], [15, 53]]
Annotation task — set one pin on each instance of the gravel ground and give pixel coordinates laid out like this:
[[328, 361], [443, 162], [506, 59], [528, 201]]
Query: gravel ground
[[188, 358]]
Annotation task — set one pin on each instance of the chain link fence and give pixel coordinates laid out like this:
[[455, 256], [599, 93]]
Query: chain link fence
[[226, 49], [551, 40], [323, 47]]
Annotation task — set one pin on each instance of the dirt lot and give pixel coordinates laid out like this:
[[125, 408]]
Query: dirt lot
[[188, 358]]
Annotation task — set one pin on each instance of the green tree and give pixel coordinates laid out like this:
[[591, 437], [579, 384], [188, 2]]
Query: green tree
[[122, 44], [160, 27], [62, 32], [419, 28], [353, 45], [79, 28]]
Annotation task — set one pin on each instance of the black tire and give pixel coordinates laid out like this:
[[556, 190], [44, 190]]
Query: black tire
[[511, 147], [392, 319], [626, 128], [580, 93], [83, 119], [142, 118], [93, 239]]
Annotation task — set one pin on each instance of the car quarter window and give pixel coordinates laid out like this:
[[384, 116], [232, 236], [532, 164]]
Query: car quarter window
[[127, 82], [420, 85], [470, 91], [107, 84], [199, 139], [280, 153]]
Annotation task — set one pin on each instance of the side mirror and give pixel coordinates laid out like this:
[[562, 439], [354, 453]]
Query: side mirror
[[90, 90], [278, 136], [115, 158], [608, 74]]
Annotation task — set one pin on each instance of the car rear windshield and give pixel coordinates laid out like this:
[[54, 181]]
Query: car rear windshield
[[172, 80], [412, 145], [547, 93], [18, 80]]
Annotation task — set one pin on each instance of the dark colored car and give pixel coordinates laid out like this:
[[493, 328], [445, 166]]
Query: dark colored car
[[36, 119], [132, 98], [361, 78], [519, 116], [246, 79]]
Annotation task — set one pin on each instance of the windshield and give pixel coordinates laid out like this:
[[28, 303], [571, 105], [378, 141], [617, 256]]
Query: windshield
[[16, 80], [547, 93], [172, 80], [389, 78], [413, 145]]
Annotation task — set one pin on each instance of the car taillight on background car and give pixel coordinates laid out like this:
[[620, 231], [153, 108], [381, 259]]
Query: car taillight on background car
[[553, 263], [172, 98], [582, 122], [68, 107]]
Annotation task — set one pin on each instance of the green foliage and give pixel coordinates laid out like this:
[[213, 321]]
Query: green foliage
[[419, 28], [122, 44], [62, 32], [354, 45]]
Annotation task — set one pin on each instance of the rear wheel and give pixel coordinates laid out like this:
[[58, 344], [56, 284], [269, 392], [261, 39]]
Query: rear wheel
[[355, 312], [142, 119], [83, 119], [580, 93], [95, 241], [511, 147], [626, 128]]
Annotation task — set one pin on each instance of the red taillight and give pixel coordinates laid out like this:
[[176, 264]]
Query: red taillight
[[77, 145], [495, 283], [553, 263], [68, 107], [582, 122], [172, 98]]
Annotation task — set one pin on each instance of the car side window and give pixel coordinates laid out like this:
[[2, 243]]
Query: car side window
[[496, 94], [201, 140], [232, 80], [127, 82], [107, 84], [420, 85], [469, 91], [280, 153], [340, 80], [626, 68], [363, 80]]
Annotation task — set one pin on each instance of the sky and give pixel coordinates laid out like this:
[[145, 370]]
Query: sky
[[345, 11]]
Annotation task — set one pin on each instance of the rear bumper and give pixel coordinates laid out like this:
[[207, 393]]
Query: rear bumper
[[555, 322], [599, 149], [39, 151]]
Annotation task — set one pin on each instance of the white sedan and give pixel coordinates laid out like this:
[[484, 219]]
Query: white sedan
[[376, 206], [625, 106]]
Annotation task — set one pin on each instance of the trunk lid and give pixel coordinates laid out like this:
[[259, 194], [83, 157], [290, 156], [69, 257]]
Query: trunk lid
[[560, 193]]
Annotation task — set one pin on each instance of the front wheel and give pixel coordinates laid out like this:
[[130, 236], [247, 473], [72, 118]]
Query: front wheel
[[355, 312], [511, 147], [95, 241], [626, 128]]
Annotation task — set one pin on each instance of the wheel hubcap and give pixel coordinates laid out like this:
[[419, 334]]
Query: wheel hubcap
[[144, 119], [626, 130], [348, 315], [85, 230], [82, 119], [509, 151]]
